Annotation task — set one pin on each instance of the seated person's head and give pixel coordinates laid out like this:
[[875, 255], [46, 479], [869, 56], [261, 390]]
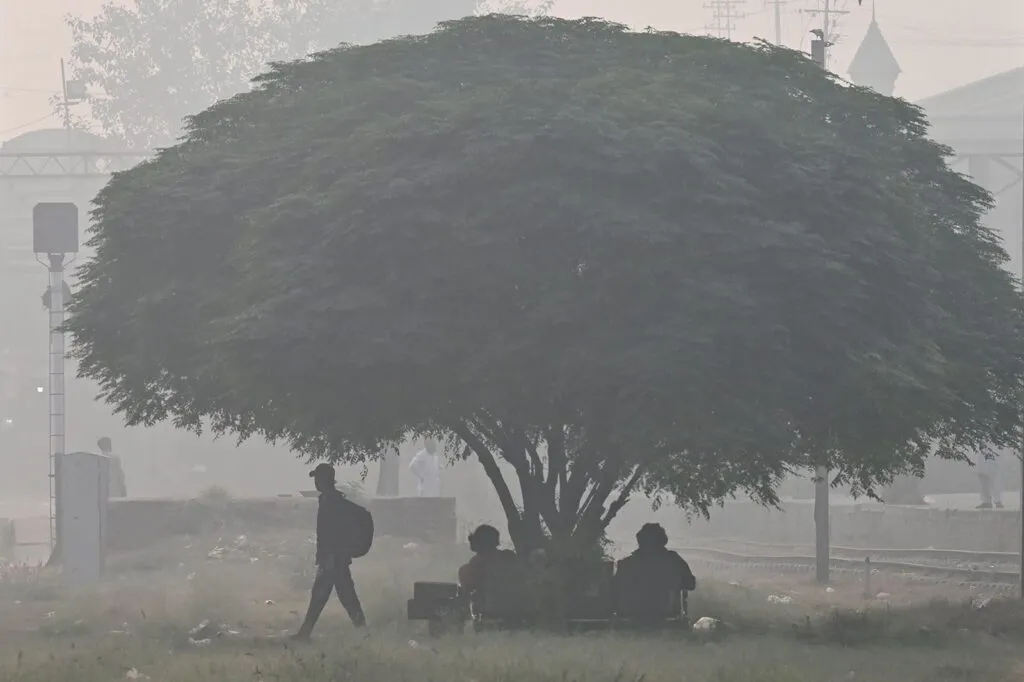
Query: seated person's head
[[484, 539], [652, 536]]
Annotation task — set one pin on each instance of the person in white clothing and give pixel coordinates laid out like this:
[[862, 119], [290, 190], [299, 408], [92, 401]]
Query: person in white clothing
[[427, 470], [988, 477]]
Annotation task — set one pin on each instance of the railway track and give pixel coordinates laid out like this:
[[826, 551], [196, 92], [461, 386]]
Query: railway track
[[929, 555], [862, 561]]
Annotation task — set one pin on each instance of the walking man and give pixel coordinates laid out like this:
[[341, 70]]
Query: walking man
[[344, 531]]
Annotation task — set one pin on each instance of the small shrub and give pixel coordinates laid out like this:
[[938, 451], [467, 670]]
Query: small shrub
[[215, 493]]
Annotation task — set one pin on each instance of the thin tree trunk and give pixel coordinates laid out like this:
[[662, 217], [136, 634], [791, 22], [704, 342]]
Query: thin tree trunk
[[388, 479], [490, 465]]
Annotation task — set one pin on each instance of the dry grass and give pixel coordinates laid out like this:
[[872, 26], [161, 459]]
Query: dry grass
[[139, 622]]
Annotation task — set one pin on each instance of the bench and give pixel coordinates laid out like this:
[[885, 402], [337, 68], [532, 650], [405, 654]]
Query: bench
[[509, 599], [514, 595], [591, 600], [441, 605], [670, 613]]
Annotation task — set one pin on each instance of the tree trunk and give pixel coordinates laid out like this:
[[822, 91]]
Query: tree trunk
[[389, 475], [562, 511]]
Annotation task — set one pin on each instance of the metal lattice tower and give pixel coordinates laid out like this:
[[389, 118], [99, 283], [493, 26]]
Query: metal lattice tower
[[57, 393], [724, 14]]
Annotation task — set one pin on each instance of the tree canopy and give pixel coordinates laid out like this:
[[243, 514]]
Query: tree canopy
[[150, 64], [617, 261]]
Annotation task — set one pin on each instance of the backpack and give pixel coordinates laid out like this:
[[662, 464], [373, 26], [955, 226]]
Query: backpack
[[358, 524]]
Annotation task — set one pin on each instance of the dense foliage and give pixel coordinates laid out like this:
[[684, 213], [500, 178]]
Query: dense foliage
[[616, 261], [149, 64]]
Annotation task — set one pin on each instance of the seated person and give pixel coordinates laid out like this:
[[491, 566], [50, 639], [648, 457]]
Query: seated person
[[649, 581], [484, 543]]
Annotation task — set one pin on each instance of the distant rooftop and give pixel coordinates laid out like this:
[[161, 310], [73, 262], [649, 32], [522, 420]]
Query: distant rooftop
[[54, 140], [999, 96], [874, 58]]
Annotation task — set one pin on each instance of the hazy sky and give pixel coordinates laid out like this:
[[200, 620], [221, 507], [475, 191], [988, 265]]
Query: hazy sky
[[939, 43]]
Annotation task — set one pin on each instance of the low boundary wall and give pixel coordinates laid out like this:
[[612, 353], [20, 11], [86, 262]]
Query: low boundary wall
[[6, 537], [868, 525], [134, 524]]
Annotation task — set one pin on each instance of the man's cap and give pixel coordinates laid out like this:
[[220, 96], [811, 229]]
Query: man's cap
[[323, 470]]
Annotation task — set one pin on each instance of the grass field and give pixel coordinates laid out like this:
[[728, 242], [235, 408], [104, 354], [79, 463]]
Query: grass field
[[253, 590]]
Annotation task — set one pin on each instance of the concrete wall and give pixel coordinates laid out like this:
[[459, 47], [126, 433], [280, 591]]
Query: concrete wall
[[6, 537], [134, 524], [867, 526]]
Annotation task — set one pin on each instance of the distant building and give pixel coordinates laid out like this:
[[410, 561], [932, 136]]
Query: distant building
[[874, 65], [981, 121]]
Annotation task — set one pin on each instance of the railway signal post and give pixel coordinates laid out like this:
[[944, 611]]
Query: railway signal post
[[55, 236]]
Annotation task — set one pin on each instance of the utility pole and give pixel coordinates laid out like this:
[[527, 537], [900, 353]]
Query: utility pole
[[829, 34], [723, 15], [66, 102], [64, 96], [72, 92], [1021, 450], [822, 530], [777, 6], [822, 506]]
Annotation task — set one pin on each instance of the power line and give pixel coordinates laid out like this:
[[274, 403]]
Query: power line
[[723, 16], [14, 88], [927, 38], [26, 124], [964, 43], [777, 7], [830, 11], [943, 31]]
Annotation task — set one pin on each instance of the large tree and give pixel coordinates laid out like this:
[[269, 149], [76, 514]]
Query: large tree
[[615, 261], [149, 64], [525, 8]]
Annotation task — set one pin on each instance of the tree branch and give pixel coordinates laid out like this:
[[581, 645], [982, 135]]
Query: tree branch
[[537, 505], [535, 460], [616, 506], [533, 485], [555, 439], [603, 487], [490, 465], [490, 425], [578, 477], [593, 505]]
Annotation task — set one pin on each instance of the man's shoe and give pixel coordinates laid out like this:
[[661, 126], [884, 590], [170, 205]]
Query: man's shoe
[[303, 637]]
